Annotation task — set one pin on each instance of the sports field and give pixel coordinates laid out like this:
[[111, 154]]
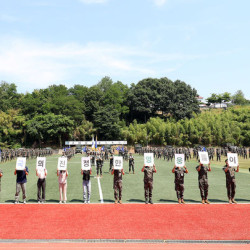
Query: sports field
[[133, 191]]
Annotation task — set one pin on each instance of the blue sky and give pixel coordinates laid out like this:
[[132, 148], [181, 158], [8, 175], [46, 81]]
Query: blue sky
[[204, 43]]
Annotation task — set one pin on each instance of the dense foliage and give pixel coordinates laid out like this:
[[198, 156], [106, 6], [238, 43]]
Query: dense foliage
[[154, 111]]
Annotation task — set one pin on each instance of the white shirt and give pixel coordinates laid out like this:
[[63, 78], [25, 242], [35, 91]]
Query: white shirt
[[41, 173]]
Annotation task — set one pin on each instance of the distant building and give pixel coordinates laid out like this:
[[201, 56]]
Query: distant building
[[199, 99], [222, 105]]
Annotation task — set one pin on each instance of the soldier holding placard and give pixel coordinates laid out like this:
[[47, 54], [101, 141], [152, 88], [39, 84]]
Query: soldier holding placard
[[203, 181], [230, 180], [118, 173], [148, 182], [179, 182], [21, 172]]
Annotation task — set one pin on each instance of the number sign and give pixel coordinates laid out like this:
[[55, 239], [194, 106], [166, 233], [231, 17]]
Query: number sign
[[179, 160], [118, 162], [20, 163], [232, 160], [86, 163], [149, 159], [204, 159], [40, 163], [62, 163]]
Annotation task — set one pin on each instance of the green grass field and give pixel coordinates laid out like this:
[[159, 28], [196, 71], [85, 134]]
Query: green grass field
[[133, 191]]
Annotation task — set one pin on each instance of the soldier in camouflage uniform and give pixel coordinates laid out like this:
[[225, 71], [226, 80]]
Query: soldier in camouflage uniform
[[99, 164], [118, 173], [131, 163], [179, 182], [111, 162], [230, 181], [203, 181], [148, 182]]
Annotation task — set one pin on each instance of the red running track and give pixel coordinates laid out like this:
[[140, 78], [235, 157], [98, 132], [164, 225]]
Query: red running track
[[126, 221], [121, 246]]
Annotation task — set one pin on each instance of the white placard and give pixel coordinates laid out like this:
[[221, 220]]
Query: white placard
[[232, 159], [40, 163], [86, 165], [20, 163], [118, 162], [62, 163], [179, 160], [204, 159], [149, 159]]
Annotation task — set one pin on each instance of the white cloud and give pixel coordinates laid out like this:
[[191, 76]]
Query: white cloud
[[33, 65], [8, 18], [93, 1], [160, 2]]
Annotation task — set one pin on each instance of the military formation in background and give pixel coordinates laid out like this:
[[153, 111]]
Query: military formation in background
[[29, 153], [97, 159]]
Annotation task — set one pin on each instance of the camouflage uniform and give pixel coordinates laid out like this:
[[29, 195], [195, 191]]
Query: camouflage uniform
[[99, 164], [179, 182], [117, 184], [111, 162], [131, 163], [230, 182], [148, 182], [203, 181]]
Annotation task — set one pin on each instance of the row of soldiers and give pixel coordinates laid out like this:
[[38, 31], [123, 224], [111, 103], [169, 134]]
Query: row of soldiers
[[29, 153], [168, 153]]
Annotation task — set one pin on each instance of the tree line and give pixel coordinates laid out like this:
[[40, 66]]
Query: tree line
[[153, 111]]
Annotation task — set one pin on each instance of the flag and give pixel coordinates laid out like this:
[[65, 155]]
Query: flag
[[96, 142], [93, 143]]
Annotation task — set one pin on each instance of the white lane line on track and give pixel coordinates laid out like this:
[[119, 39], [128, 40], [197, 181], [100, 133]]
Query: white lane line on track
[[100, 189]]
